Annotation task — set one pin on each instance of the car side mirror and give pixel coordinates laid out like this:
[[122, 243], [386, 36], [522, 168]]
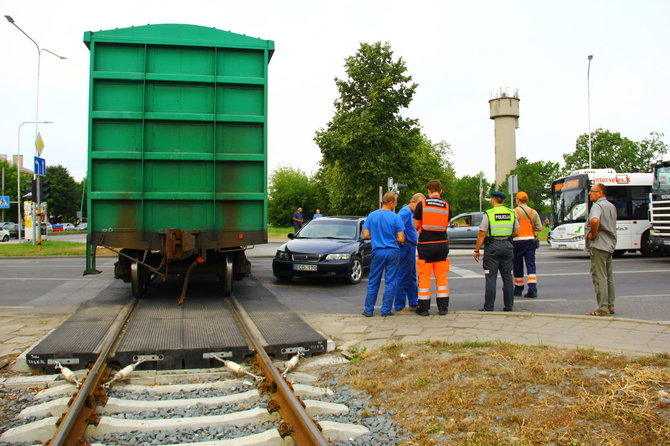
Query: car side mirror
[[291, 235]]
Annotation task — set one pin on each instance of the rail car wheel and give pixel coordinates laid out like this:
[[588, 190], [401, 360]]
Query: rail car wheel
[[138, 280], [226, 275]]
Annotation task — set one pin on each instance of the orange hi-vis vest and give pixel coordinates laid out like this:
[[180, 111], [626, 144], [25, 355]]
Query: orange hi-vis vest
[[434, 220], [526, 231]]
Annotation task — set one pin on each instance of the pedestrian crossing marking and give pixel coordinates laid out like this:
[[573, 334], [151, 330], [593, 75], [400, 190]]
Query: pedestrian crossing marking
[[4, 202], [466, 273]]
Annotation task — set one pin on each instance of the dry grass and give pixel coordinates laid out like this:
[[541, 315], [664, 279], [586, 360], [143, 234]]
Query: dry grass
[[504, 394]]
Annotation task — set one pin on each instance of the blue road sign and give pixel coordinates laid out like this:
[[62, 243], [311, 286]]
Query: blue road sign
[[40, 166], [4, 202]]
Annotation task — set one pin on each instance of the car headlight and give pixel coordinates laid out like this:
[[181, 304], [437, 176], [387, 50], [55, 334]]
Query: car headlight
[[338, 256], [282, 255]]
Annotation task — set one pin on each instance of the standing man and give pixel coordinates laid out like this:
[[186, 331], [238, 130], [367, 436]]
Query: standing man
[[525, 244], [600, 233], [431, 218], [385, 229], [297, 220], [497, 228], [317, 214], [406, 284]]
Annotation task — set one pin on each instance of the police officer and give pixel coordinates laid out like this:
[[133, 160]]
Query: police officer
[[431, 218], [525, 244], [497, 228]]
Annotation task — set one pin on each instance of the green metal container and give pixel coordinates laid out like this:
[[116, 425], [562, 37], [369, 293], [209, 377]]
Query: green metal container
[[177, 137]]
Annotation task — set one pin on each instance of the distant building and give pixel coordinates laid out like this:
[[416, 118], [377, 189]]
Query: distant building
[[16, 159]]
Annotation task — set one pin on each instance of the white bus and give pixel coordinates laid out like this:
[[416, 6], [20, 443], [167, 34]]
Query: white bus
[[629, 192]]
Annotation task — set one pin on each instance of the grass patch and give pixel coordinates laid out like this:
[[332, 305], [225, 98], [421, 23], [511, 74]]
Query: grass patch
[[279, 232], [496, 393], [49, 248]]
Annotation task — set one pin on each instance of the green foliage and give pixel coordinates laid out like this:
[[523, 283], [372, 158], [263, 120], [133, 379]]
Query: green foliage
[[368, 140], [535, 179], [611, 150], [464, 195], [65, 193], [10, 188], [290, 189]]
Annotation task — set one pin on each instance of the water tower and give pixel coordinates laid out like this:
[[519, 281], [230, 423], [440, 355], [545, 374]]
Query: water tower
[[504, 110]]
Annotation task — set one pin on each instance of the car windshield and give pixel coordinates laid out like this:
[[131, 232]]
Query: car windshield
[[344, 230]]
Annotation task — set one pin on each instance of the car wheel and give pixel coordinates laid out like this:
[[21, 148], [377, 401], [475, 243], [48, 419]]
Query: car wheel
[[646, 248], [356, 273], [5, 238]]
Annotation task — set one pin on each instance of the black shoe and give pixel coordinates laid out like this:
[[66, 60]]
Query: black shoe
[[507, 309], [422, 313], [366, 314], [387, 314], [484, 309], [518, 293], [529, 295], [443, 311]]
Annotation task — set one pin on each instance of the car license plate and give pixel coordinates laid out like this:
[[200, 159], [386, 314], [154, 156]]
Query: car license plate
[[562, 246], [304, 267]]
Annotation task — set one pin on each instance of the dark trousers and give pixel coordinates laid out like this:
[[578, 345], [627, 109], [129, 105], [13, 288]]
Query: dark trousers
[[498, 256], [524, 252]]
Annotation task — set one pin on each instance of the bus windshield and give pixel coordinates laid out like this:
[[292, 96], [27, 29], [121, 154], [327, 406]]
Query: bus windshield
[[661, 182], [569, 199], [569, 205]]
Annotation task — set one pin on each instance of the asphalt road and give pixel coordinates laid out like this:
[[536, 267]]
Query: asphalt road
[[56, 285], [564, 284]]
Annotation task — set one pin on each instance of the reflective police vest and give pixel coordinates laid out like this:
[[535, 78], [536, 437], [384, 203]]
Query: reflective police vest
[[501, 221], [434, 220]]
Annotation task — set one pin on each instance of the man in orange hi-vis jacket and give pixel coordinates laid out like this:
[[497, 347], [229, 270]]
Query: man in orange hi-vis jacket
[[525, 244], [431, 218]]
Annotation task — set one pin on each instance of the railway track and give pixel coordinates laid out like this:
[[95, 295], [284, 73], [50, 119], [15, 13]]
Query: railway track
[[231, 405]]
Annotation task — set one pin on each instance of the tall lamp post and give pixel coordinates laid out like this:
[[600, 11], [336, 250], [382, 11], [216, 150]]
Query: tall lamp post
[[36, 228], [18, 171], [588, 95]]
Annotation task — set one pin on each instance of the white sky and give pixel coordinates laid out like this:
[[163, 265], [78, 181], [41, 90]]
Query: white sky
[[457, 51]]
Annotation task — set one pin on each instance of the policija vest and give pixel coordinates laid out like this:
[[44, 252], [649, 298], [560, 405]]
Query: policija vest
[[501, 221]]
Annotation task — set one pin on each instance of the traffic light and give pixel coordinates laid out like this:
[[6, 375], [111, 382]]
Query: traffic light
[[44, 193], [31, 190]]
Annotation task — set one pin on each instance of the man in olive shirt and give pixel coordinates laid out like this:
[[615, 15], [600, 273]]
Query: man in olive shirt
[[600, 242]]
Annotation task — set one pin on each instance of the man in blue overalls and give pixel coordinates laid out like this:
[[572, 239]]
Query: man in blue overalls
[[386, 230], [406, 285]]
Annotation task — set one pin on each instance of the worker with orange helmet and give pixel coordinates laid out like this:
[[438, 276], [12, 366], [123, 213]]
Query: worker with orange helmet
[[525, 244]]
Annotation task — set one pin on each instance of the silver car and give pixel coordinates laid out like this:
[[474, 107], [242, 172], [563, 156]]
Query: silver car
[[464, 228]]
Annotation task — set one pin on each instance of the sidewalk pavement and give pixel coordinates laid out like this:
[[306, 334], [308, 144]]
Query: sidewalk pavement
[[19, 332]]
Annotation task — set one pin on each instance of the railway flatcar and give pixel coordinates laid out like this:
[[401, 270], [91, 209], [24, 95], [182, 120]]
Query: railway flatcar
[[177, 151]]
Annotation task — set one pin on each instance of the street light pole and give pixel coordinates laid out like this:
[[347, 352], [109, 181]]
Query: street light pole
[[18, 171], [36, 228], [588, 94]]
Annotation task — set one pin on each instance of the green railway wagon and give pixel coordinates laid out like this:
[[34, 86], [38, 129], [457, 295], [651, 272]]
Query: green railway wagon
[[177, 150]]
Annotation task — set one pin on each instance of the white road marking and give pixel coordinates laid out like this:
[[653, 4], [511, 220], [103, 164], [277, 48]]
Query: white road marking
[[12, 307], [464, 273], [525, 300]]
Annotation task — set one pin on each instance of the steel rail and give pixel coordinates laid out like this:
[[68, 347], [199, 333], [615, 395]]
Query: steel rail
[[301, 426], [72, 425]]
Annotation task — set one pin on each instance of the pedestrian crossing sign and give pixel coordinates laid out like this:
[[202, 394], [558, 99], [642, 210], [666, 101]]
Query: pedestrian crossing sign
[[4, 202]]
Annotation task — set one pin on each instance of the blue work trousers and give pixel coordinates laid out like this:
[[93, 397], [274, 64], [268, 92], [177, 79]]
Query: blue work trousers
[[524, 252], [406, 285], [383, 259]]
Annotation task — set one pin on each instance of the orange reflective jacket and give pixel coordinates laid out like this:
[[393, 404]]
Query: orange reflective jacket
[[434, 220]]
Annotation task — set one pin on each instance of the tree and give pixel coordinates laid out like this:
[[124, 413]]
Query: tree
[[611, 150], [464, 195], [535, 179], [289, 189], [65, 193], [10, 188], [368, 140]]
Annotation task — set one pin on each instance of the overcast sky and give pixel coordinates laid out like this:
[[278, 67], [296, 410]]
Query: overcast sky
[[459, 52]]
